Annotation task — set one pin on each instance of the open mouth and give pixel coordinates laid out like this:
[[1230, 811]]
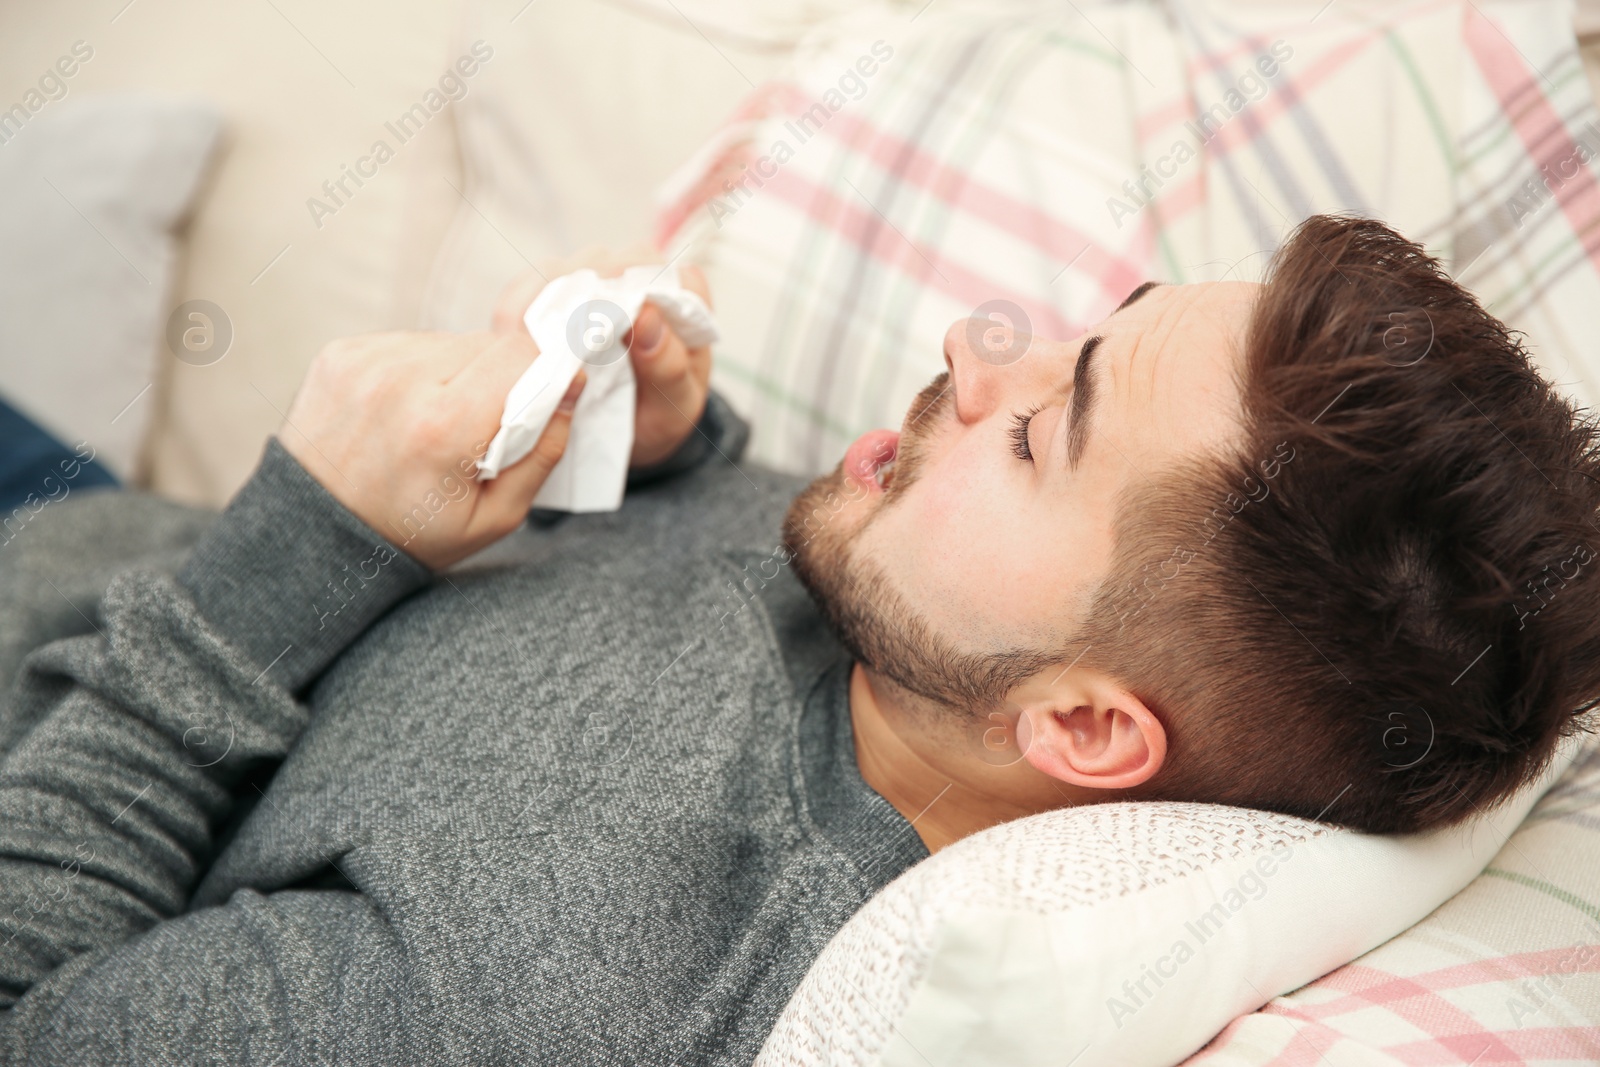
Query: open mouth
[[870, 460]]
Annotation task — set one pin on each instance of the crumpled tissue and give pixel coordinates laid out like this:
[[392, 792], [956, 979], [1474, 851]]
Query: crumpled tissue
[[578, 321]]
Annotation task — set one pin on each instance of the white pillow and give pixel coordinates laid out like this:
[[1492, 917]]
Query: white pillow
[[587, 107], [1116, 935], [94, 190]]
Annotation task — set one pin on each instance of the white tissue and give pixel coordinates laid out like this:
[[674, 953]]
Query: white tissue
[[574, 330]]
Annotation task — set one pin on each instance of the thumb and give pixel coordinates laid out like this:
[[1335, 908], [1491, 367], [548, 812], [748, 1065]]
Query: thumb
[[661, 361], [693, 278]]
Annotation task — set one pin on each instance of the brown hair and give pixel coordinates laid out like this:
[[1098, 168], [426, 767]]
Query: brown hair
[[1379, 611]]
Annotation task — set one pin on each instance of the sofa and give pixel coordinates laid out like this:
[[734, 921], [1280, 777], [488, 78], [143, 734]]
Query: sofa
[[627, 123]]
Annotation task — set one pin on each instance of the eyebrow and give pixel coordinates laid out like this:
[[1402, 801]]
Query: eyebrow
[[1136, 294], [1082, 400], [1083, 386]]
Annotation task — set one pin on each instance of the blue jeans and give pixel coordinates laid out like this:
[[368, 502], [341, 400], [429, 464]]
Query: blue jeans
[[33, 463]]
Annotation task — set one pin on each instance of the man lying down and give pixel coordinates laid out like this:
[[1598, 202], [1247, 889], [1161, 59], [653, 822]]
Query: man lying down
[[303, 794]]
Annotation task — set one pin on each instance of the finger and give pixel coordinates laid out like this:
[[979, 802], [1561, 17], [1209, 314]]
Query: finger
[[661, 361], [648, 337], [498, 360], [475, 398], [515, 299], [694, 280], [508, 497]]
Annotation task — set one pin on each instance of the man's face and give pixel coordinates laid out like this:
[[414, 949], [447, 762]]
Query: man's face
[[969, 545]]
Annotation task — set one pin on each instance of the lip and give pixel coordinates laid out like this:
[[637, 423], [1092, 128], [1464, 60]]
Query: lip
[[867, 454]]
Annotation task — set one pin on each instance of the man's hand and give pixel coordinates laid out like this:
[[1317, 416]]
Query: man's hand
[[673, 379], [392, 425]]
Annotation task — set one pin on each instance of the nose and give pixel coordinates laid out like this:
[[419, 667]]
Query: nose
[[984, 357]]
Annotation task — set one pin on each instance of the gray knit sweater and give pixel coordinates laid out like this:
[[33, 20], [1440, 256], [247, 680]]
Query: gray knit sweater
[[282, 798]]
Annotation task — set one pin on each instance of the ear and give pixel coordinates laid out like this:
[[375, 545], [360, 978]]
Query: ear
[[1095, 734]]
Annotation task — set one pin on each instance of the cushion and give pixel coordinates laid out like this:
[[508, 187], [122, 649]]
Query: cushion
[[1506, 972], [587, 108], [306, 89], [94, 189], [1115, 935], [961, 178]]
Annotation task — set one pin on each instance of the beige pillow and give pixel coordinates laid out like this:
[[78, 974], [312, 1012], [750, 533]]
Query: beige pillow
[[587, 109], [93, 189], [303, 88]]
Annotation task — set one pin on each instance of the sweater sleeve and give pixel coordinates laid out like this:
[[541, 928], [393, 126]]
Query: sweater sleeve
[[110, 806], [719, 434]]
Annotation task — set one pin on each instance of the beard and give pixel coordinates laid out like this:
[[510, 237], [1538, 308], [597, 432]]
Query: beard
[[872, 619]]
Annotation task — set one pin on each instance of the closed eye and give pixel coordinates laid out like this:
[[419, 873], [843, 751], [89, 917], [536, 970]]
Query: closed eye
[[1019, 433]]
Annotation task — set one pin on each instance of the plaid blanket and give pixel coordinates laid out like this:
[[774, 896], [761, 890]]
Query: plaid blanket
[[1508, 972], [1038, 163]]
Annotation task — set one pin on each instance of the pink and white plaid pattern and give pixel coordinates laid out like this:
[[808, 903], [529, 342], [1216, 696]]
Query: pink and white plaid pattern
[[1055, 158], [1506, 973]]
